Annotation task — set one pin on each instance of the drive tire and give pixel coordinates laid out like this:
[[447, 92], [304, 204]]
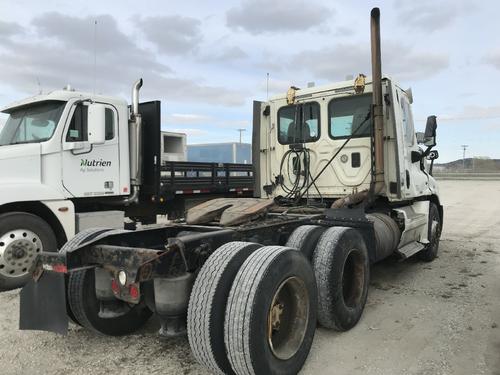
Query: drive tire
[[13, 223], [431, 249], [207, 304], [305, 238], [79, 238], [84, 305], [273, 276], [342, 270]]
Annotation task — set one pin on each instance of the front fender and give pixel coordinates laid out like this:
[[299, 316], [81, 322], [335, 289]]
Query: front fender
[[41, 200], [27, 191]]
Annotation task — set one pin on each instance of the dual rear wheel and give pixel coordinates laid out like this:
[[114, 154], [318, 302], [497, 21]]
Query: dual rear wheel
[[253, 309]]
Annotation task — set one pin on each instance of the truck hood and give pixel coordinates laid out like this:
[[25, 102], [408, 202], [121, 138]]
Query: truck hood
[[21, 175], [20, 163]]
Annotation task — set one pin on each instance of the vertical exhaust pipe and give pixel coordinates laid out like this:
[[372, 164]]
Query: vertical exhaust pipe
[[135, 96], [378, 114], [135, 144]]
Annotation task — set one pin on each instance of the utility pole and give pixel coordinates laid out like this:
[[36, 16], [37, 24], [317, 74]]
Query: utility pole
[[241, 130], [464, 147]]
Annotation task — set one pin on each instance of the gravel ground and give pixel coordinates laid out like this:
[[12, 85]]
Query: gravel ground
[[421, 318]]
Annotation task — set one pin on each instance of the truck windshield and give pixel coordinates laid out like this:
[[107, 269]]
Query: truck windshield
[[31, 124]]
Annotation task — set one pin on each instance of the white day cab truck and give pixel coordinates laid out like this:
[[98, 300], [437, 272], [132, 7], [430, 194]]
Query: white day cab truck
[[340, 183], [72, 160]]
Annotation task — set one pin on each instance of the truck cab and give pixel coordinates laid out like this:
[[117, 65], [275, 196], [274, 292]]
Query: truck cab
[[49, 137], [310, 124]]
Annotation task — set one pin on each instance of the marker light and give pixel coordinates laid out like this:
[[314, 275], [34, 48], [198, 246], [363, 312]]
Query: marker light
[[122, 277]]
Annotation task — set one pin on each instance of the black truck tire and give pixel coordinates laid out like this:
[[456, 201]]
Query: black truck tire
[[431, 249], [79, 238], [207, 304], [22, 236], [271, 313], [342, 270], [84, 306], [305, 238]]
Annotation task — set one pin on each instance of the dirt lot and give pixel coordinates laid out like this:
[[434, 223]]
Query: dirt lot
[[437, 318]]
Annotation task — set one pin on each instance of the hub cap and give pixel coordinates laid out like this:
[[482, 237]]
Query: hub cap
[[17, 252], [287, 318]]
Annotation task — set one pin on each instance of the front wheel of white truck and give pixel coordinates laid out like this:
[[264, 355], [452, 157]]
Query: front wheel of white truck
[[22, 237]]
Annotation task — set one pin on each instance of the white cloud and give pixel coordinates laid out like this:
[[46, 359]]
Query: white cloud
[[187, 118], [473, 112], [55, 58], [172, 34], [493, 59], [426, 15], [398, 60], [227, 54], [260, 16]]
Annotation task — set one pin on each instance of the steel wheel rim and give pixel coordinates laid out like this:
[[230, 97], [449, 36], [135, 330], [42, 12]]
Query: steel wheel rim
[[18, 249], [353, 279], [287, 318]]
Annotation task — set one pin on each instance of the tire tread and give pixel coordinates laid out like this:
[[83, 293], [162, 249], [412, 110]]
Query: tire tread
[[200, 310]]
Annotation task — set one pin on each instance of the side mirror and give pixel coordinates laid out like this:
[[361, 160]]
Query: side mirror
[[96, 123], [420, 137], [430, 131]]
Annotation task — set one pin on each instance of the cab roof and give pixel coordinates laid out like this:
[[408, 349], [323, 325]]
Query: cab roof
[[342, 85], [64, 95]]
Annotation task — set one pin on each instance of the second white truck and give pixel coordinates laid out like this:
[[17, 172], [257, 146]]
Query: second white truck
[[70, 160]]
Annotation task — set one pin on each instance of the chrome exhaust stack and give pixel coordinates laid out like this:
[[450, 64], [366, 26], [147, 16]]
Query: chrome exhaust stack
[[135, 141], [135, 146]]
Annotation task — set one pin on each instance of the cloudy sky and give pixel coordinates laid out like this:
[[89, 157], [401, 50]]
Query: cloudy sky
[[206, 61]]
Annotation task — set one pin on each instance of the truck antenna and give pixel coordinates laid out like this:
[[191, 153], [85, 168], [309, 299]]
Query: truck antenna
[[267, 88], [39, 86], [95, 55]]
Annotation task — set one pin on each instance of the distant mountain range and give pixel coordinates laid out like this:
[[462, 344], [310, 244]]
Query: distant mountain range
[[471, 164]]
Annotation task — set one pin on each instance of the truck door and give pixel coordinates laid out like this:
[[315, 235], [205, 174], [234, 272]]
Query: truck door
[[90, 170], [414, 181]]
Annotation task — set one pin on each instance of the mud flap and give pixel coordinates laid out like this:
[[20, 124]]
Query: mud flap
[[43, 304]]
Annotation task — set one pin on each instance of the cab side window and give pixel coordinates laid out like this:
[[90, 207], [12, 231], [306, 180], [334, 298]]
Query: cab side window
[[110, 124], [408, 128], [77, 131]]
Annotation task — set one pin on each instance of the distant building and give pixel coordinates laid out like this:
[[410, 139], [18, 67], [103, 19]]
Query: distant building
[[231, 152]]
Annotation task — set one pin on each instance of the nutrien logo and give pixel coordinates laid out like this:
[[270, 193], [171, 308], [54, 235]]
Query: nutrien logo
[[94, 163]]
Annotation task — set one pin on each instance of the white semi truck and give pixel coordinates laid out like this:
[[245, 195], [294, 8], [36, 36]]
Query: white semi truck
[[340, 183], [70, 160]]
